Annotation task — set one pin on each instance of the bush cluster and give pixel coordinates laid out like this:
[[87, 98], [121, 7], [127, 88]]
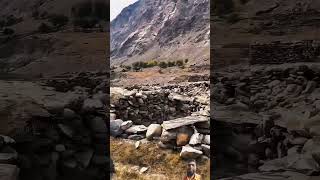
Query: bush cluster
[[140, 65]]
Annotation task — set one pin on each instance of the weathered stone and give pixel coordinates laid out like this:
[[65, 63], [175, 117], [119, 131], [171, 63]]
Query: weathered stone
[[196, 138], [115, 127], [84, 157], [154, 130], [98, 125], [298, 141], [66, 130], [7, 139], [143, 170], [68, 113], [126, 125], [113, 116], [135, 137], [8, 157], [179, 122], [167, 136], [136, 129], [205, 149], [9, 172], [90, 105], [188, 152], [206, 139]]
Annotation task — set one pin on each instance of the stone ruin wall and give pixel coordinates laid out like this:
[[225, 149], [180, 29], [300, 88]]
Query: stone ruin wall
[[154, 105], [284, 52]]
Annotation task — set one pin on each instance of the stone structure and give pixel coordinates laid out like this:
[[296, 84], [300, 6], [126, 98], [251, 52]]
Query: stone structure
[[177, 116], [284, 52]]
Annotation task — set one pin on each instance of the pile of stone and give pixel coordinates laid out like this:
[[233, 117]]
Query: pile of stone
[[63, 136], [156, 105], [89, 80], [269, 118], [284, 52], [184, 122], [8, 159]]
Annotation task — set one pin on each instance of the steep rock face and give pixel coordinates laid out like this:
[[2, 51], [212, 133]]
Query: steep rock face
[[162, 24]]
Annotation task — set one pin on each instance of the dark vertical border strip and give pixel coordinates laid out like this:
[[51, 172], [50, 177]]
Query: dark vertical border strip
[[110, 164], [212, 155]]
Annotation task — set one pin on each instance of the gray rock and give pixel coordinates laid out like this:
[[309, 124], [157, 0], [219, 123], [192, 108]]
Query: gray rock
[[7, 139], [54, 107], [167, 136], [9, 172], [113, 116], [70, 163], [196, 138], [298, 141], [8, 157], [60, 148], [189, 152], [90, 105], [179, 122], [66, 130], [205, 149], [98, 125], [311, 85], [69, 114], [206, 139], [126, 125], [115, 127], [154, 130], [84, 157], [135, 137], [136, 129]]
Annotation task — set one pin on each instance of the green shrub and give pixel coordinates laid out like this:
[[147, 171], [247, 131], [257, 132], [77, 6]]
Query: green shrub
[[179, 63], [152, 63], [44, 28], [186, 61], [171, 63], [163, 64]]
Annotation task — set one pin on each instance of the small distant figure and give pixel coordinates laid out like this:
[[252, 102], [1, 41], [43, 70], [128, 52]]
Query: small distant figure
[[191, 171]]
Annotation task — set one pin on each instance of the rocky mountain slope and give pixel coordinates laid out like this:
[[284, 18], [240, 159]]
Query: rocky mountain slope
[[161, 30], [252, 21], [266, 116], [53, 49]]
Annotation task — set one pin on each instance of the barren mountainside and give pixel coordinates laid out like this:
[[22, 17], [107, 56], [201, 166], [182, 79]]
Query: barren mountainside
[[162, 30]]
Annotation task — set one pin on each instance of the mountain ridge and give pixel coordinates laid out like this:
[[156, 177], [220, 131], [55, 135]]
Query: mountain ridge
[[161, 30]]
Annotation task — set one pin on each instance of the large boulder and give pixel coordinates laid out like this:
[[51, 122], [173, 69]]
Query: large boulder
[[136, 129], [90, 105], [98, 125], [189, 152], [154, 130], [115, 127], [196, 138]]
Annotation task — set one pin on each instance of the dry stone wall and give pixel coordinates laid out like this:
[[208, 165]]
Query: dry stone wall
[[284, 52], [269, 116], [148, 105], [176, 116]]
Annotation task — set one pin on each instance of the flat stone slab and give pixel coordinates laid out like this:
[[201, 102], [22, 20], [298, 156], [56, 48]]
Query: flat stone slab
[[227, 114], [9, 172], [287, 175], [179, 122]]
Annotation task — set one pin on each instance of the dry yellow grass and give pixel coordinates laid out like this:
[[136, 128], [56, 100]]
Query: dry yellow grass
[[162, 163]]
